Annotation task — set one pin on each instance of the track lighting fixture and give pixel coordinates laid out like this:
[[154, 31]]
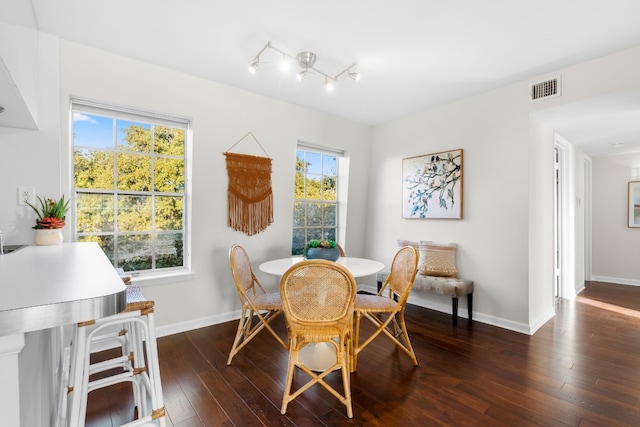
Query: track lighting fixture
[[253, 67], [306, 60], [329, 83], [302, 75]]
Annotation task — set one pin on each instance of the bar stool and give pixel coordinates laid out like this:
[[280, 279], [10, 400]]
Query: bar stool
[[136, 340]]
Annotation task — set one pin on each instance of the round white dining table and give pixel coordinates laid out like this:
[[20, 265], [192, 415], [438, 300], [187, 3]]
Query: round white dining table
[[320, 356], [359, 267]]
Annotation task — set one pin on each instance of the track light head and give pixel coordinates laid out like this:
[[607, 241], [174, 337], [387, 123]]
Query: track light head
[[302, 75], [284, 64], [354, 75], [329, 83], [253, 67]]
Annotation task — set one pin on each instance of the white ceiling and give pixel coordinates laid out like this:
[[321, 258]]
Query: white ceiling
[[412, 54]]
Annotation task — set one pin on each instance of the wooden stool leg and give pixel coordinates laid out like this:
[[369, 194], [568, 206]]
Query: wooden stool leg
[[470, 306]]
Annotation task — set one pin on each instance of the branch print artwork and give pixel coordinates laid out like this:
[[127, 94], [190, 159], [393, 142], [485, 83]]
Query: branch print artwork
[[432, 185]]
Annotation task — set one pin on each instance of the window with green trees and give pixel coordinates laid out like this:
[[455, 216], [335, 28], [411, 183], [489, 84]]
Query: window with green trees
[[315, 208], [129, 179]]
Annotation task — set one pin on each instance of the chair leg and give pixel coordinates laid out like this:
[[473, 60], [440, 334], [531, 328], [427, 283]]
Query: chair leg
[[470, 306], [454, 301], [249, 328], [408, 348], [354, 342], [346, 378], [243, 326], [399, 337], [291, 364]]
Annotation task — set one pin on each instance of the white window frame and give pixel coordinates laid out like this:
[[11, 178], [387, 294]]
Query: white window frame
[[340, 156], [162, 275]]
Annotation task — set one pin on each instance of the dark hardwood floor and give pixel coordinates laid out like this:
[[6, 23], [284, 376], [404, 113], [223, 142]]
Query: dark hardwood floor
[[582, 368]]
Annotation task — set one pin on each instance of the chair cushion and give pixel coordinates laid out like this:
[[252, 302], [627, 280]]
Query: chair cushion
[[270, 301], [374, 303], [437, 259]]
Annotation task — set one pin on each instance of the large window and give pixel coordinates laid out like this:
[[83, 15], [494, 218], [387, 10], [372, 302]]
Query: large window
[[129, 179], [315, 209]]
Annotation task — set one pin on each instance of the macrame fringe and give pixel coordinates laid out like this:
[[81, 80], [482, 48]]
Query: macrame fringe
[[249, 196]]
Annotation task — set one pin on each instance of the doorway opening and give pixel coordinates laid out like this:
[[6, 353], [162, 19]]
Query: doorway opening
[[563, 222], [557, 224]]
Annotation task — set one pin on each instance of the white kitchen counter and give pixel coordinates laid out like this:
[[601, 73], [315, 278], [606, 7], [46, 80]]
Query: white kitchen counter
[[41, 288], [46, 286]]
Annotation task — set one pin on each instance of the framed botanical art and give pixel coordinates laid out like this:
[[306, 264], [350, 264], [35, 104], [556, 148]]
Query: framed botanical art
[[432, 185], [634, 204]]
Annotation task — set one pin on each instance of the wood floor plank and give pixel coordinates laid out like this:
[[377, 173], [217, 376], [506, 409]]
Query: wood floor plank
[[581, 369]]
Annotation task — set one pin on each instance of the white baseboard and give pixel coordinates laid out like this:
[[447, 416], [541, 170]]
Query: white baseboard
[[618, 280], [414, 299], [203, 322], [421, 301]]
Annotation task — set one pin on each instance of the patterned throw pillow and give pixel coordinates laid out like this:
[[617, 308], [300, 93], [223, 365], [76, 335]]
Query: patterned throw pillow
[[403, 243], [437, 259]]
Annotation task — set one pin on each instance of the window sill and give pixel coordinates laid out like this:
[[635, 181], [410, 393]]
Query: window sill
[[162, 278]]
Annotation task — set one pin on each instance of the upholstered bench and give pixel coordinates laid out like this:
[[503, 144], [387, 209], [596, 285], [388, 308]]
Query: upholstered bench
[[449, 286], [437, 274]]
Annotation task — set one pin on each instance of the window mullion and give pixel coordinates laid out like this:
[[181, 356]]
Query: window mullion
[[128, 230]]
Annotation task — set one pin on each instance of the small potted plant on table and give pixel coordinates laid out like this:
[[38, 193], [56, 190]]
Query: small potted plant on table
[[50, 222], [322, 249]]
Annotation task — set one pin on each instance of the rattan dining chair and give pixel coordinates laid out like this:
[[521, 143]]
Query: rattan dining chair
[[255, 301], [386, 312], [317, 300]]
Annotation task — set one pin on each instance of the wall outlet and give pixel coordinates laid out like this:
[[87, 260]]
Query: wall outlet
[[26, 195]]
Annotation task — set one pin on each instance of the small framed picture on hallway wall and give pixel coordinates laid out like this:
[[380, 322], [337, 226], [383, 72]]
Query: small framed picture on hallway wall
[[634, 204], [432, 185]]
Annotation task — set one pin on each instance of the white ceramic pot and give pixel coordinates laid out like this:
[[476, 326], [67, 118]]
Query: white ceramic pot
[[48, 237]]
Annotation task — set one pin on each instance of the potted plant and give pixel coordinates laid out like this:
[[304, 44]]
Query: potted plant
[[322, 249], [51, 220]]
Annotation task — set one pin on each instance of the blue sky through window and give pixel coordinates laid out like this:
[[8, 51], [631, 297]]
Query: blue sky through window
[[92, 131]]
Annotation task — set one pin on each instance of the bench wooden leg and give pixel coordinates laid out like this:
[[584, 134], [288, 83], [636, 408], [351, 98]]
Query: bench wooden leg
[[454, 301]]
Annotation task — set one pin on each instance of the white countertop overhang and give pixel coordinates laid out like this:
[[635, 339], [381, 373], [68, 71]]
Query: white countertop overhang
[[46, 286]]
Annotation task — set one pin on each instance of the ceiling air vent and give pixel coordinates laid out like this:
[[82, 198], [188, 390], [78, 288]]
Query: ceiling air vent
[[546, 89]]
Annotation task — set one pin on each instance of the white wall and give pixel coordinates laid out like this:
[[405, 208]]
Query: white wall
[[492, 237], [615, 246], [220, 116], [32, 158], [506, 237]]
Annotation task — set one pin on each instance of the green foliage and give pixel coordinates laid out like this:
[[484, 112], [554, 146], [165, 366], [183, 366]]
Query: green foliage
[[314, 243], [169, 141], [50, 208], [147, 159], [93, 169], [137, 138], [315, 194], [313, 186]]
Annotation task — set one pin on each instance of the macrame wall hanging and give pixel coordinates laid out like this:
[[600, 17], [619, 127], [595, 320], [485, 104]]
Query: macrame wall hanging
[[249, 195]]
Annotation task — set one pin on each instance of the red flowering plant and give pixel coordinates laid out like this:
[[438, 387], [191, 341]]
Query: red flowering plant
[[50, 213]]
